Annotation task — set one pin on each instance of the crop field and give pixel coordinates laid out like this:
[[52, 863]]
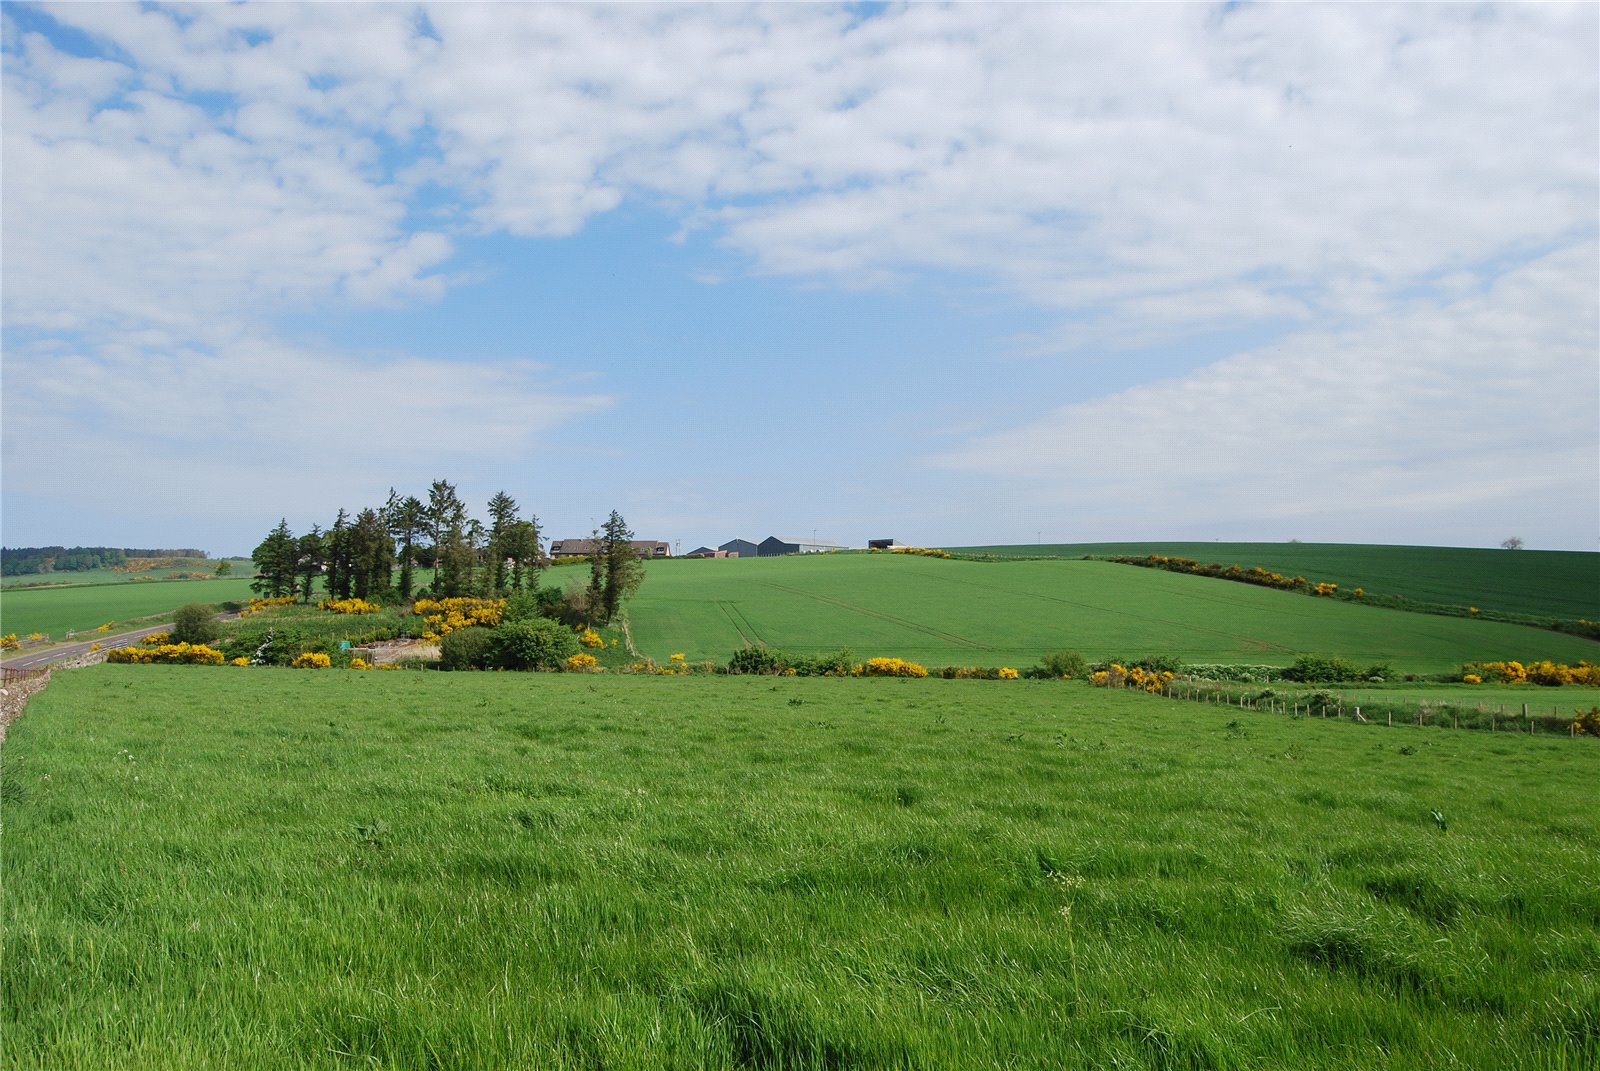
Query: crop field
[[241, 567], [53, 611], [951, 612], [1560, 584], [248, 868]]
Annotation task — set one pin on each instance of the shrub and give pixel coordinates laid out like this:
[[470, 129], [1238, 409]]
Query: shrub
[[758, 660], [194, 624], [1587, 723], [533, 644], [311, 660], [181, 654], [892, 667], [1063, 664], [582, 663], [1318, 669], [591, 639], [466, 648]]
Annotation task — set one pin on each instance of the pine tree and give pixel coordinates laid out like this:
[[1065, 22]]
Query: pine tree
[[277, 559]]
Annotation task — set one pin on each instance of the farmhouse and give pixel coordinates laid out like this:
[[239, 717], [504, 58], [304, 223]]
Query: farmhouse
[[739, 548], [577, 548], [772, 547]]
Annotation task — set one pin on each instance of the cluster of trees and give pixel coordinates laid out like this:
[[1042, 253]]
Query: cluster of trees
[[375, 554], [25, 561]]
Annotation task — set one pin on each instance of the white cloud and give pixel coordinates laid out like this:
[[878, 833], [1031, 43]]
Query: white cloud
[[1477, 412], [1146, 173], [214, 433]]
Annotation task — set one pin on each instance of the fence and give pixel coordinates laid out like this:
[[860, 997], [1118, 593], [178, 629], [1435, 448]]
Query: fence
[[1379, 710]]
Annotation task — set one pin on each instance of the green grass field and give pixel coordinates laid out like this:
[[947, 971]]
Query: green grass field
[[1557, 584], [942, 612], [53, 611], [241, 567], [245, 868]]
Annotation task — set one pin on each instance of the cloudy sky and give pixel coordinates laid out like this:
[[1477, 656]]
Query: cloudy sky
[[969, 274]]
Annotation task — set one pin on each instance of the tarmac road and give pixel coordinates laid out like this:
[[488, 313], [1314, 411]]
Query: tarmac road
[[63, 652]]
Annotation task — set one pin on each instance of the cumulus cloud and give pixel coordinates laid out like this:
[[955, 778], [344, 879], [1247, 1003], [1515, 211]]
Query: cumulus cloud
[[1381, 180], [1479, 408]]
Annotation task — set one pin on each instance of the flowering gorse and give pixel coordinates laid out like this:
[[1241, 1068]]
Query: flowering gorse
[[1550, 674], [444, 616], [255, 606], [892, 667], [349, 606], [590, 638], [582, 663], [311, 660], [182, 654]]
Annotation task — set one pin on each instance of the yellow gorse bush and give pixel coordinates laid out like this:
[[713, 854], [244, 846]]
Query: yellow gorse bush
[[311, 660], [8, 642], [349, 606], [1008, 674], [1117, 675], [182, 654], [255, 606], [590, 638], [156, 639], [35, 637], [582, 663], [892, 667], [240, 661], [1547, 673], [360, 663], [1326, 588], [444, 616], [926, 552]]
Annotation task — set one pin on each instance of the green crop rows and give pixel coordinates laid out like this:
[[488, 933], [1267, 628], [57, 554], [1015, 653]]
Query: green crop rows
[[942, 612]]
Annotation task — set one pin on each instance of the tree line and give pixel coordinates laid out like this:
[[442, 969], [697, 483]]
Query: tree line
[[376, 553], [26, 561]]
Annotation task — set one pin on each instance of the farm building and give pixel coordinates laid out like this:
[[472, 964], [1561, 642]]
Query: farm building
[[577, 548], [740, 548], [708, 552], [772, 547], [881, 544]]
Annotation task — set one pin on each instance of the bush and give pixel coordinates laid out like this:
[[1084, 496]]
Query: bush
[[536, 643], [1060, 664], [757, 660], [1317, 669], [466, 648], [194, 624]]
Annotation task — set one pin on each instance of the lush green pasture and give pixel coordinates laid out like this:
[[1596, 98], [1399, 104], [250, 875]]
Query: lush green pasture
[[1543, 583], [85, 607], [244, 868], [941, 612], [241, 567]]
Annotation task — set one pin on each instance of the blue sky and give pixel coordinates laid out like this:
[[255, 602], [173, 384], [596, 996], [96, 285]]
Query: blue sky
[[968, 274]]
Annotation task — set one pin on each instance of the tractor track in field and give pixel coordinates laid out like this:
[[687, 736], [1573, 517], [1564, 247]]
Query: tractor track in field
[[840, 604], [735, 616]]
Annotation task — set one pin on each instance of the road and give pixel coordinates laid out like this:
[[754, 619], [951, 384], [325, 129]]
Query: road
[[63, 652]]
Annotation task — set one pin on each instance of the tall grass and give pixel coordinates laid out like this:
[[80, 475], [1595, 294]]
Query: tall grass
[[277, 869]]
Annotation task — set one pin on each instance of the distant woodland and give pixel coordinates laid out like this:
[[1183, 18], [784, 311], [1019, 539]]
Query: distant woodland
[[25, 561]]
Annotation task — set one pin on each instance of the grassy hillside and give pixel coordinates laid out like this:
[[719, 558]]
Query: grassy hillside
[[271, 869], [1009, 613], [84, 607], [1563, 584]]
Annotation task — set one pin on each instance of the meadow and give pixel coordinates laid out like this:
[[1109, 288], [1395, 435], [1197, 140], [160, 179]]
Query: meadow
[[1562, 584], [85, 607], [256, 868], [954, 612]]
